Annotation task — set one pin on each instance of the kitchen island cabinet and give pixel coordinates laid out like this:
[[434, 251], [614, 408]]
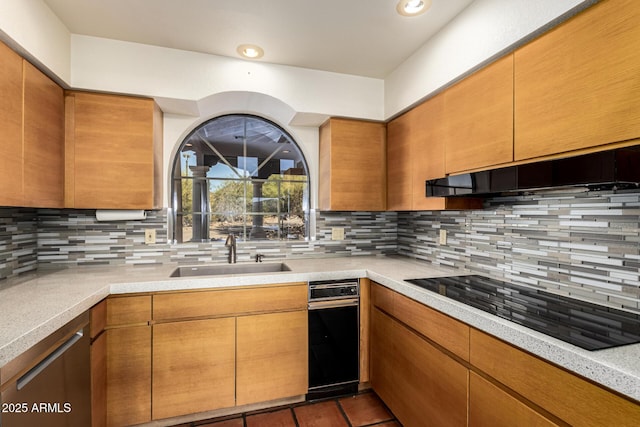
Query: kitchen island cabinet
[[576, 87], [113, 152], [352, 166]]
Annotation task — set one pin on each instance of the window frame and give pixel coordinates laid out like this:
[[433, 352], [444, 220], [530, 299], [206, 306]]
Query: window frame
[[246, 178]]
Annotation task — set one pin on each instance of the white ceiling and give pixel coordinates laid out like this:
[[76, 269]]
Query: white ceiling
[[361, 37]]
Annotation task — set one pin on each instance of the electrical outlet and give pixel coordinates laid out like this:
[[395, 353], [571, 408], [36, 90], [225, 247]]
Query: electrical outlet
[[149, 236], [443, 237], [337, 233]]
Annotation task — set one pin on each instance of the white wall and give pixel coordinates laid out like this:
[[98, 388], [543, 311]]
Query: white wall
[[118, 66], [478, 33], [30, 27]]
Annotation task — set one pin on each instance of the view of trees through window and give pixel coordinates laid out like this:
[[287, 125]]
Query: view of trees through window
[[242, 175]]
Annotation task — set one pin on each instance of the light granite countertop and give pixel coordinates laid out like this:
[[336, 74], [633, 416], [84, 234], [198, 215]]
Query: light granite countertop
[[33, 306]]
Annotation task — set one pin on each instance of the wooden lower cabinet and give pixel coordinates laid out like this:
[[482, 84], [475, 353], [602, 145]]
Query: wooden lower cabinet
[[431, 387], [430, 369], [193, 366], [272, 359], [569, 397], [422, 385], [490, 406], [128, 375], [381, 373]]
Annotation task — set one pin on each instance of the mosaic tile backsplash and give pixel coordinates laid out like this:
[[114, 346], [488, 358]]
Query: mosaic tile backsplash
[[582, 244], [72, 238], [18, 241]]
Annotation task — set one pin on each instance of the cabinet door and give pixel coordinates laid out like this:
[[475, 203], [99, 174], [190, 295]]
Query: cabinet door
[[43, 140], [577, 86], [399, 163], [489, 406], [193, 366], [382, 365], [567, 396], [112, 152], [479, 119], [430, 388], [98, 355], [128, 374], [272, 357], [11, 127], [352, 166]]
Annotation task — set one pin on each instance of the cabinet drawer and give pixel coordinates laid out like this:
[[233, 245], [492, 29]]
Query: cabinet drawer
[[382, 298], [224, 302], [492, 407], [123, 311], [442, 329], [563, 394]]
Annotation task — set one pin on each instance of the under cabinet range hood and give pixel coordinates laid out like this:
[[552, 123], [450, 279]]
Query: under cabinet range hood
[[613, 169]]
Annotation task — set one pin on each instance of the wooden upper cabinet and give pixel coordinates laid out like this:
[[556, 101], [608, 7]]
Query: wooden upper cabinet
[[578, 86], [429, 129], [399, 163], [415, 154], [43, 160], [11, 193], [352, 166], [32, 135], [479, 119], [113, 152]]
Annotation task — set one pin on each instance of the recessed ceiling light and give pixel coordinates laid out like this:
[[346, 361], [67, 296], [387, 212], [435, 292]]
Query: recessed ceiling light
[[413, 7], [250, 51]]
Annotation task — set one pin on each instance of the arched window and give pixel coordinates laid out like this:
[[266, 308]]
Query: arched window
[[239, 174]]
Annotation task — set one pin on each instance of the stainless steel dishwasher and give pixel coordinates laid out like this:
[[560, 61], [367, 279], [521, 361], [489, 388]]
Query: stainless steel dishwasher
[[334, 338], [50, 384]]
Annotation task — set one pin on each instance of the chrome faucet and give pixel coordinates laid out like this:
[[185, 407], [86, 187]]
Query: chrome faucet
[[231, 244]]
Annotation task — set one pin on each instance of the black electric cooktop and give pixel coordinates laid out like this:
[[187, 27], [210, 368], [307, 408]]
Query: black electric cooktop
[[587, 325]]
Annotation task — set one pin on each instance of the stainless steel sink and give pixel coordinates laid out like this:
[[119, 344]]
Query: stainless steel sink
[[219, 269]]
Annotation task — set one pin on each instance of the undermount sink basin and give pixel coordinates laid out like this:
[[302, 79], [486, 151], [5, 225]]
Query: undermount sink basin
[[216, 270]]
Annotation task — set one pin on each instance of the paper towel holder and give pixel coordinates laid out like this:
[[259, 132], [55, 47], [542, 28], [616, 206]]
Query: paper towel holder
[[120, 215]]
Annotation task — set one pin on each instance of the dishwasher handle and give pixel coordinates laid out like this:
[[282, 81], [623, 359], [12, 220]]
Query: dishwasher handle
[[36, 370], [345, 302]]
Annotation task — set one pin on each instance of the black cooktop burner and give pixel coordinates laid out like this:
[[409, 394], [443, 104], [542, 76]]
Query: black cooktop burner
[[587, 325]]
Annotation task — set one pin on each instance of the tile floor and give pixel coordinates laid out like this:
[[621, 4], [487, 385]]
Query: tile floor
[[363, 409]]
